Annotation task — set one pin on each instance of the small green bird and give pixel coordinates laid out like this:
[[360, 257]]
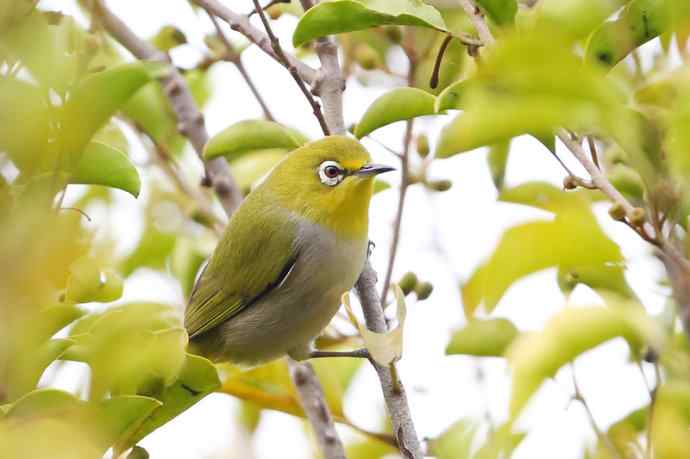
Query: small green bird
[[294, 246]]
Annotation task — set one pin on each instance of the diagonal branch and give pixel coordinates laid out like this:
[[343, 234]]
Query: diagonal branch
[[241, 24], [282, 58], [189, 119]]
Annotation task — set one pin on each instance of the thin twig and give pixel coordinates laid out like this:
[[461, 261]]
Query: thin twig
[[314, 404], [477, 17], [189, 118], [235, 58], [603, 438], [593, 150], [282, 58], [404, 185], [240, 23]]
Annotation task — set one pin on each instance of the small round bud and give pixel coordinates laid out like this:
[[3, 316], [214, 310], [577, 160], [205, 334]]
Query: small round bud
[[617, 212], [274, 12], [138, 453], [408, 282], [439, 185], [637, 216], [394, 34], [569, 182], [423, 290], [366, 56], [422, 145]]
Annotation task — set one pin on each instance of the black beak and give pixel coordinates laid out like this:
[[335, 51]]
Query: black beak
[[373, 169]]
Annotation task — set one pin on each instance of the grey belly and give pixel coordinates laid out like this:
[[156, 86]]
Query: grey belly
[[288, 318]]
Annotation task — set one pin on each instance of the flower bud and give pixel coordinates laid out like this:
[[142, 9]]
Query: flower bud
[[423, 290], [366, 56], [617, 212], [439, 185], [422, 145], [408, 282], [637, 216], [569, 182]]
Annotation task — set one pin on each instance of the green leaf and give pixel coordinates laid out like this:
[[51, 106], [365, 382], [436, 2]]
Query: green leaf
[[483, 337], [25, 142], [572, 239], [498, 159], [639, 22], [533, 84], [27, 371], [451, 98], [101, 164], [340, 16], [251, 167], [168, 37], [572, 331], [106, 421], [335, 376], [90, 281], [132, 348], [249, 135], [502, 12], [96, 99], [601, 278], [456, 442], [501, 443], [197, 378], [396, 105], [12, 12]]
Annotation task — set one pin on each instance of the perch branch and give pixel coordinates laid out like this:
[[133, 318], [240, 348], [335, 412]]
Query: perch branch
[[189, 118], [393, 390], [330, 88], [477, 17], [314, 404], [241, 24]]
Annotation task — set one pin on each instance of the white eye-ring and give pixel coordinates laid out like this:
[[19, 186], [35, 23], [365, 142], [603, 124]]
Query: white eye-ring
[[331, 173]]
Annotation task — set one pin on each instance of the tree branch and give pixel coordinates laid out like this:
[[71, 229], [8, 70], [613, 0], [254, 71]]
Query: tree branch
[[477, 17], [241, 24], [282, 58], [392, 387], [314, 404], [189, 118], [330, 86]]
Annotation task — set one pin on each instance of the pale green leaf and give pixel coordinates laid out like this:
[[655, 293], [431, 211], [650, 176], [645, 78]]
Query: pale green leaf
[[456, 442], [572, 331], [197, 378], [396, 105], [572, 239], [250, 135], [101, 164], [498, 160], [98, 97], [338, 16], [502, 12], [483, 337]]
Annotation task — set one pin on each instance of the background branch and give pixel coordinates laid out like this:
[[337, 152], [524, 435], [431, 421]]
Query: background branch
[[240, 23], [189, 118]]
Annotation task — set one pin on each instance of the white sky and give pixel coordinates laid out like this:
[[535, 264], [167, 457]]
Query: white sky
[[466, 222]]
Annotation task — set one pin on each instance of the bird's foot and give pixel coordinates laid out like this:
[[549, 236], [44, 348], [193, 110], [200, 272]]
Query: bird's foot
[[357, 353]]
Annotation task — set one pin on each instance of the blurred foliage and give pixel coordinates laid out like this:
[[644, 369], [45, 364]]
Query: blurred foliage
[[72, 107]]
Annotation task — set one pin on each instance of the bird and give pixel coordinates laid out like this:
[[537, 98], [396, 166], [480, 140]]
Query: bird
[[297, 242]]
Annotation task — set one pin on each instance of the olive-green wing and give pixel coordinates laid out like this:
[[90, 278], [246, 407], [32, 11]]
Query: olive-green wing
[[255, 255]]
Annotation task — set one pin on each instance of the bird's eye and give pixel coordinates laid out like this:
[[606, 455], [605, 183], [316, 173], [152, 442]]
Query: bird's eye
[[330, 173]]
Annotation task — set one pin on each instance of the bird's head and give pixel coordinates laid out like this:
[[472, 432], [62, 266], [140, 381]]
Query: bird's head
[[330, 182]]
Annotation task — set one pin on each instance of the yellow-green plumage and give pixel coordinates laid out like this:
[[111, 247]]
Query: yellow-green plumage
[[288, 253]]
